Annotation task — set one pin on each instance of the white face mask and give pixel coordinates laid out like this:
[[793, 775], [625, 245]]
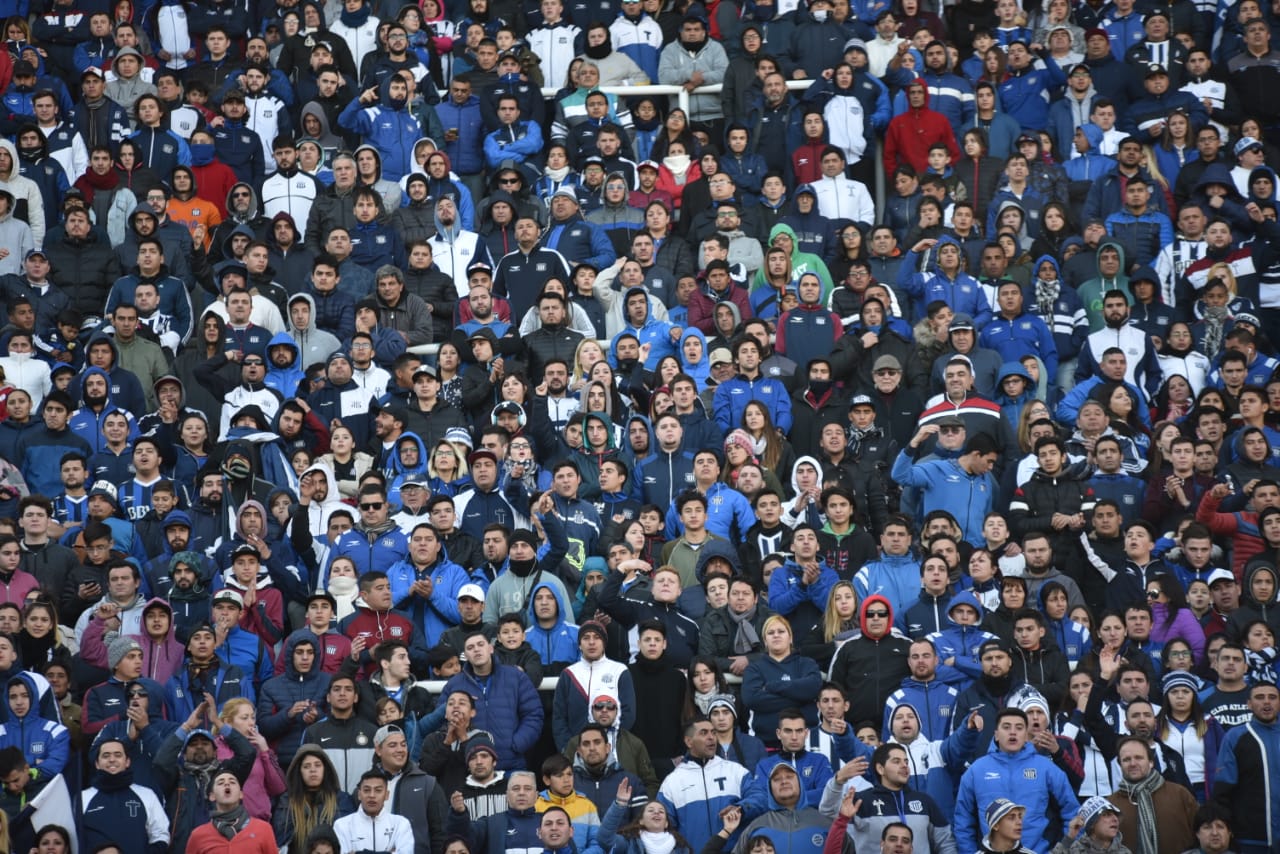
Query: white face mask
[[819, 15], [678, 163]]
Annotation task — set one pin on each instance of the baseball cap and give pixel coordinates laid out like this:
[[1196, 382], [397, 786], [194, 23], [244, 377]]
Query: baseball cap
[[961, 321], [949, 421], [484, 333], [472, 591], [648, 164], [567, 192], [481, 455], [478, 267], [385, 732], [1096, 31], [861, 400], [425, 370], [1155, 69], [721, 355], [1220, 575], [226, 594], [245, 549]]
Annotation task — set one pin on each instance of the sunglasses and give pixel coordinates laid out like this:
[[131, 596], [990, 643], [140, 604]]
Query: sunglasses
[[603, 707], [251, 362], [1153, 595], [950, 429], [877, 615], [371, 505]]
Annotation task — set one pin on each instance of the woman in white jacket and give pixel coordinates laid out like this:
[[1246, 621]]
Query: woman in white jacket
[[28, 205]]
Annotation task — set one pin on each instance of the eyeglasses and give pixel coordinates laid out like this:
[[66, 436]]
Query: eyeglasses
[[877, 615], [726, 214], [603, 707], [361, 346], [1180, 653], [371, 505]]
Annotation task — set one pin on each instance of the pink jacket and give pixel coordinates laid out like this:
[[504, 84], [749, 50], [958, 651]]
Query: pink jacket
[[264, 784], [160, 659], [17, 588], [1185, 626]]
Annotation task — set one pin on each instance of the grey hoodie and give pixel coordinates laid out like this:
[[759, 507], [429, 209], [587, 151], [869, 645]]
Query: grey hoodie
[[314, 345]]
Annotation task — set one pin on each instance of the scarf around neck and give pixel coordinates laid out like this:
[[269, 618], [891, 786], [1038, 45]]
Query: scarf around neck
[[1046, 296], [746, 640], [1140, 794], [657, 843], [231, 822]]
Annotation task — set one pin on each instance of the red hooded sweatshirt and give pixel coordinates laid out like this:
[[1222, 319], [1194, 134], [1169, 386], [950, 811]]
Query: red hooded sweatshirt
[[911, 134]]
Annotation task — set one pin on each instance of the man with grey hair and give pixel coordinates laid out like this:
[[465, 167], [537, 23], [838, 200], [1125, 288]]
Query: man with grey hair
[[336, 206], [514, 829], [398, 310]]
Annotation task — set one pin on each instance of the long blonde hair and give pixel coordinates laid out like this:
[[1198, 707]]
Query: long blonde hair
[[232, 706], [832, 625]]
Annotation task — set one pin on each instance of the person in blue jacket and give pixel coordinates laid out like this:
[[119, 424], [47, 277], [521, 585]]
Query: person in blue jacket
[[895, 576], [933, 699], [425, 585], [957, 646], [551, 631], [506, 701], [203, 672], [1015, 332], [117, 811], [748, 384], [798, 590], [463, 124], [579, 241], [516, 140], [40, 450], [1013, 765], [1244, 784], [661, 335], [382, 118], [284, 373], [947, 281], [45, 743], [1024, 93], [964, 487], [814, 768], [86, 422], [294, 700], [236, 144], [1070, 637]]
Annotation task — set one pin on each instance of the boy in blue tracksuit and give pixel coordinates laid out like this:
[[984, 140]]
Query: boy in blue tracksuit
[[383, 120], [960, 641], [46, 744]]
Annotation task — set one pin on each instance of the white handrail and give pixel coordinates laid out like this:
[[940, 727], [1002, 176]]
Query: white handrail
[[548, 683]]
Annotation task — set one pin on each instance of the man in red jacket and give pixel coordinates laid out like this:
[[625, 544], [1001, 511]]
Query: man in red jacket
[[231, 830], [910, 134]]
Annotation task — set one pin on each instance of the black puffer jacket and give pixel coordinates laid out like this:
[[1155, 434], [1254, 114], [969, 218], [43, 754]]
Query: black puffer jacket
[[438, 291], [332, 209], [85, 270]]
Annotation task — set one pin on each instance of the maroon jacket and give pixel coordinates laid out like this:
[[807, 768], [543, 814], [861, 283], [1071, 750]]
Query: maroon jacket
[[702, 307]]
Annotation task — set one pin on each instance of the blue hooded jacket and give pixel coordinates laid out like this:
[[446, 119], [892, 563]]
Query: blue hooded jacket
[[88, 425], [388, 127], [963, 293], [961, 643], [284, 380], [398, 470], [45, 743], [656, 333], [700, 370], [558, 644], [1069, 636], [1011, 407], [279, 693], [1091, 165]]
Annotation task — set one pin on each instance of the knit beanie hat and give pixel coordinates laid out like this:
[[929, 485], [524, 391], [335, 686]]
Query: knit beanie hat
[[118, 649]]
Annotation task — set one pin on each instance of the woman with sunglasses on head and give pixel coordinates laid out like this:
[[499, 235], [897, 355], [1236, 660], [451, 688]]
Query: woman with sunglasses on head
[[1170, 616]]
